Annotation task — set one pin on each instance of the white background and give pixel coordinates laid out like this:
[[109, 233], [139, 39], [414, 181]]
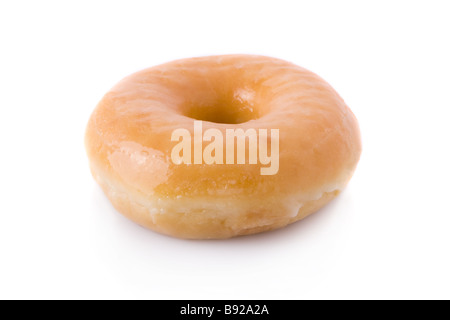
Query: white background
[[386, 236]]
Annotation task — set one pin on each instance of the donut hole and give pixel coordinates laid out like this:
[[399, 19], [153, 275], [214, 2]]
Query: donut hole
[[234, 108]]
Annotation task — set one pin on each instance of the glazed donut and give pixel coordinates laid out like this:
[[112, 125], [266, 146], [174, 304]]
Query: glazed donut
[[134, 138]]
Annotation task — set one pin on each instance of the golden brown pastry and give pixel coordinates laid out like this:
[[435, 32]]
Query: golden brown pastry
[[134, 137]]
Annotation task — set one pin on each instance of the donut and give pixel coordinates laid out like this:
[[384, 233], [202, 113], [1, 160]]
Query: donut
[[221, 146]]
